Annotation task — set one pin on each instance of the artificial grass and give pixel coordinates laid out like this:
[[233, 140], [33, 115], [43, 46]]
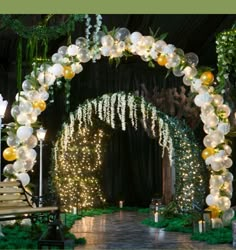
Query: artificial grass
[[215, 236], [183, 223], [26, 237]]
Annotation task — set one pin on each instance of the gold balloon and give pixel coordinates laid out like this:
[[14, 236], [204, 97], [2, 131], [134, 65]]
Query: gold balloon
[[207, 152], [215, 211], [207, 78], [40, 104], [68, 72], [162, 60], [9, 154]]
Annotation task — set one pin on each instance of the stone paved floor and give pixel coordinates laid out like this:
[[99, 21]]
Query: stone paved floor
[[123, 230]]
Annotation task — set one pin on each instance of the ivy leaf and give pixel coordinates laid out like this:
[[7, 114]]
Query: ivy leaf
[[117, 60], [163, 36], [104, 29], [154, 35], [151, 64], [168, 73]]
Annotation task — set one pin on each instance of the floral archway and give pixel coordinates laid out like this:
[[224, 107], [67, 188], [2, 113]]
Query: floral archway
[[67, 62], [81, 185]]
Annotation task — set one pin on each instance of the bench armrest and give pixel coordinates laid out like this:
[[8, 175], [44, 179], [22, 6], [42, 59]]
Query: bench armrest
[[49, 199]]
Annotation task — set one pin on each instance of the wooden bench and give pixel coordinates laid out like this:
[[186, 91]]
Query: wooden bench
[[17, 203]]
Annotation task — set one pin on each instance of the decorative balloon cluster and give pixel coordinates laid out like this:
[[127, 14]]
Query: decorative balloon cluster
[[67, 62]]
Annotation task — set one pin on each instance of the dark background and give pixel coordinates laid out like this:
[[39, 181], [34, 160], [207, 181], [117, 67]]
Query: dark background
[[132, 164]]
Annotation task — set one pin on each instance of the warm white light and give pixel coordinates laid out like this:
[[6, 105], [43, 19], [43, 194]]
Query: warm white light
[[41, 132], [3, 106]]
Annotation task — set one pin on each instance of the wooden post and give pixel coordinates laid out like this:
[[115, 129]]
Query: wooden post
[[166, 178]]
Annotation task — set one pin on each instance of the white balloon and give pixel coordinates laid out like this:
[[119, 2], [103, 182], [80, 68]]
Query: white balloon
[[72, 50], [190, 71], [135, 37], [107, 41], [18, 166], [83, 55], [29, 164], [169, 49], [21, 152], [105, 51], [32, 95], [227, 162], [76, 67], [31, 154], [24, 132], [25, 107], [216, 181], [81, 42], [227, 216], [207, 141], [8, 169], [217, 164], [15, 111], [211, 200], [12, 141], [224, 203], [57, 57], [207, 109], [211, 120], [217, 137], [224, 110], [228, 149], [46, 78], [122, 34], [202, 99], [27, 85], [187, 81], [32, 141], [24, 178], [217, 100], [62, 50], [223, 128], [43, 94], [23, 119], [228, 177], [57, 70], [160, 45]]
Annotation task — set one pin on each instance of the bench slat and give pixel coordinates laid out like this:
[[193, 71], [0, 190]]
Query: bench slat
[[13, 204], [9, 197], [10, 184], [11, 190], [27, 210]]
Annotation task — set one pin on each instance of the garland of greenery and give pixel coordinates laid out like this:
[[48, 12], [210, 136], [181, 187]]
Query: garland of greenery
[[226, 59], [37, 35], [81, 178], [42, 32]]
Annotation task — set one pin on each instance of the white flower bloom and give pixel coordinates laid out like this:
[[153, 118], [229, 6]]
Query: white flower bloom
[[144, 114]]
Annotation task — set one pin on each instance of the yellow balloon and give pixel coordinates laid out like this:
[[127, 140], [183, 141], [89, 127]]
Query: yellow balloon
[[215, 211], [207, 152], [40, 104], [162, 60], [207, 78], [9, 154], [68, 72]]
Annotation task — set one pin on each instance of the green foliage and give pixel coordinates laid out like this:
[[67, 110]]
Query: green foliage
[[180, 223], [215, 236], [41, 31], [226, 58]]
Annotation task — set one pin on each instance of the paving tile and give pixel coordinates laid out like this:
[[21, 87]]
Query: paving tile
[[124, 230]]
